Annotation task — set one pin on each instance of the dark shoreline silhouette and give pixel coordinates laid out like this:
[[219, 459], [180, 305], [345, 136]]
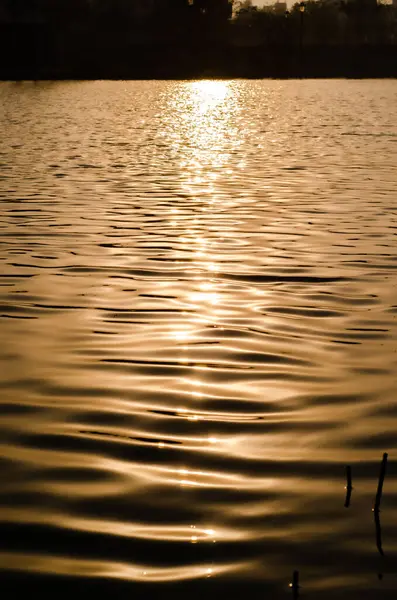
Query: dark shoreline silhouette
[[38, 59], [186, 39]]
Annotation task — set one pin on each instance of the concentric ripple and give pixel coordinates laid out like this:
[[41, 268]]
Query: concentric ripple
[[198, 331]]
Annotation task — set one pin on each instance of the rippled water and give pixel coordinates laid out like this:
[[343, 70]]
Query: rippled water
[[198, 310]]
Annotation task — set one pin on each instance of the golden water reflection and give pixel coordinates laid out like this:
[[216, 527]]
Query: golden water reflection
[[108, 569], [198, 331]]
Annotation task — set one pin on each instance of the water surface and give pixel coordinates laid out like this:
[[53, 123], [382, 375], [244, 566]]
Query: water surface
[[198, 302]]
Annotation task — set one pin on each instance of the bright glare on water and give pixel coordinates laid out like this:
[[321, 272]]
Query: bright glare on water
[[198, 302]]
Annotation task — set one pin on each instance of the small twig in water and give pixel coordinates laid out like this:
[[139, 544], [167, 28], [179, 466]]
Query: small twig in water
[[382, 475], [349, 486]]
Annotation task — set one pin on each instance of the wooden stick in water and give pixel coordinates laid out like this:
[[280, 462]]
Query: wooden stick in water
[[349, 486], [295, 585], [382, 475]]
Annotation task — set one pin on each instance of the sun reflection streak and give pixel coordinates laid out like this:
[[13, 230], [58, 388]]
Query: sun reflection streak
[[181, 333], [205, 142], [36, 563], [210, 93], [207, 124], [124, 529]]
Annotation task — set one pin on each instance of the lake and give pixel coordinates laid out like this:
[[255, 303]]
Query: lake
[[198, 333]]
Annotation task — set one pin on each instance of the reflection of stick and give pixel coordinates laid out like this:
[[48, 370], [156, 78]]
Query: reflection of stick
[[349, 486], [378, 531], [295, 585], [379, 491]]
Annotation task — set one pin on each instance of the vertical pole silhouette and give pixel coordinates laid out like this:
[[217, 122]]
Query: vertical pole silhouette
[[302, 7], [349, 486], [382, 475]]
